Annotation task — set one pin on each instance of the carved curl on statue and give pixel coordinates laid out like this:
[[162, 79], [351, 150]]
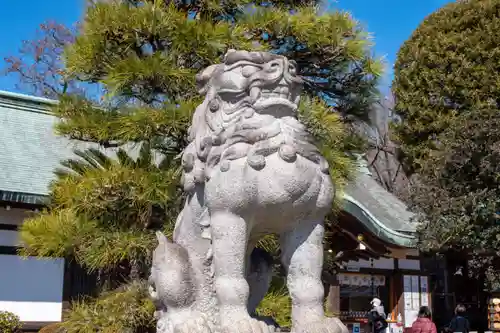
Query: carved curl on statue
[[250, 169]]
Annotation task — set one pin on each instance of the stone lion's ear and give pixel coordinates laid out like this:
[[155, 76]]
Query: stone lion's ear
[[162, 240], [203, 78], [228, 53]]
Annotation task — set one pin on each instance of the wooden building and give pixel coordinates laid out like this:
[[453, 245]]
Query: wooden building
[[374, 229], [35, 289], [377, 237], [30, 288]]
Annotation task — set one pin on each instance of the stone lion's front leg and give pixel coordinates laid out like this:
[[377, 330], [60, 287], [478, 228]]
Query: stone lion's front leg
[[302, 256], [229, 243]]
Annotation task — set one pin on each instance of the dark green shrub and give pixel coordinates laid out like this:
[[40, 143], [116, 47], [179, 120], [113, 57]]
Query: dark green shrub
[[450, 64]]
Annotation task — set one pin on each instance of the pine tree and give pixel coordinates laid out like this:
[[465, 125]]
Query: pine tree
[[104, 210]]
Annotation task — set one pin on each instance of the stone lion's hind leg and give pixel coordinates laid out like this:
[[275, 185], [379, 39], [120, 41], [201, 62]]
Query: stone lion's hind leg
[[229, 244], [302, 256]]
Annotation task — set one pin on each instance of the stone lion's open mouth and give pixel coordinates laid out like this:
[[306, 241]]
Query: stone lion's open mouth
[[281, 95], [281, 91], [263, 104]]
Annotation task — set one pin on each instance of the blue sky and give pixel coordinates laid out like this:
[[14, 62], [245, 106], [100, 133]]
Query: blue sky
[[390, 21]]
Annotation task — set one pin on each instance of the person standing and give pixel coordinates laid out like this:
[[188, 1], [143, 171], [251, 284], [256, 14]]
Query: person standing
[[459, 323], [424, 323], [376, 316]]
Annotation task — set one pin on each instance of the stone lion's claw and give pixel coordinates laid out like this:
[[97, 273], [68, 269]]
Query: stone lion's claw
[[248, 326], [196, 325], [327, 325]]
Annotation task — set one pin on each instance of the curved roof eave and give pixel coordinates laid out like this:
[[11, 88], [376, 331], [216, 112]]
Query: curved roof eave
[[374, 225]]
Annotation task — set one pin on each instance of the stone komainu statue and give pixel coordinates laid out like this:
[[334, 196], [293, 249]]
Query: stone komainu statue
[[250, 169]]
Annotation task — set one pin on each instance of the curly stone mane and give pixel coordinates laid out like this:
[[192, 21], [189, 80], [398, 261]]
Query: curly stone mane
[[249, 111]]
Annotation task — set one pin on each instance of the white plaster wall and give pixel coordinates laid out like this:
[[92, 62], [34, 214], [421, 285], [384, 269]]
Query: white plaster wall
[[31, 287], [410, 264], [9, 238], [34, 311]]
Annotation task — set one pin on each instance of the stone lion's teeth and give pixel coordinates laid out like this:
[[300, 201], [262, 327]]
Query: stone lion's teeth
[[281, 92], [255, 93]]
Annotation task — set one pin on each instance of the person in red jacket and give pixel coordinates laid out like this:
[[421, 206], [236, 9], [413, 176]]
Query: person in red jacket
[[424, 323]]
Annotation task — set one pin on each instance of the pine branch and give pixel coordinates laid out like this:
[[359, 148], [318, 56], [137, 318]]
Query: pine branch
[[81, 120]]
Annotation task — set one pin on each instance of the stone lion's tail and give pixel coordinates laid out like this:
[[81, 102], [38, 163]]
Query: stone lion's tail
[[171, 278]]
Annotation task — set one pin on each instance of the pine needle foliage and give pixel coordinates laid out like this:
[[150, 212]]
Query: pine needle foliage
[[127, 309], [332, 138], [145, 54], [277, 304], [104, 211]]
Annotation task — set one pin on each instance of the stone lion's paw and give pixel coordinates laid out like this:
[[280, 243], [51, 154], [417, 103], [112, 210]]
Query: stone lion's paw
[[327, 325], [249, 325], [193, 325]]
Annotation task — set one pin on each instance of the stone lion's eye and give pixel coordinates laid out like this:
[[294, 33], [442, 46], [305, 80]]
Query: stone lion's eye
[[247, 71], [274, 66]]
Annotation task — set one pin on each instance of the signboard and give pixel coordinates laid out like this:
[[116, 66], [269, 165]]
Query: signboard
[[346, 279], [410, 317], [407, 295], [395, 328], [494, 313], [415, 295], [352, 268], [424, 291], [356, 328]]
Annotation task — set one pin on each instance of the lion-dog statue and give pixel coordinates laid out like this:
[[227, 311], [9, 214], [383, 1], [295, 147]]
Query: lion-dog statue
[[250, 169]]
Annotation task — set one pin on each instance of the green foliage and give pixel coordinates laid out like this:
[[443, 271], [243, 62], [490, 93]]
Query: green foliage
[[138, 54], [81, 120], [277, 303], [448, 66], [127, 309], [333, 139], [145, 54], [458, 191], [104, 210], [446, 87], [9, 322], [464, 174], [52, 328]]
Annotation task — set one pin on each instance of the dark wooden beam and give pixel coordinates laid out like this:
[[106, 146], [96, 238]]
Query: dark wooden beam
[[9, 250], [9, 227], [35, 326]]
